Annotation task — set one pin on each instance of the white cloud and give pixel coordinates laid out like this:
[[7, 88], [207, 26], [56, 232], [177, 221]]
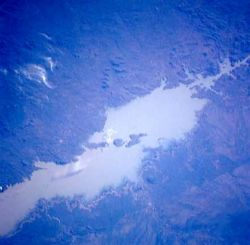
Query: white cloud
[[35, 73], [3, 71], [51, 64], [46, 36]]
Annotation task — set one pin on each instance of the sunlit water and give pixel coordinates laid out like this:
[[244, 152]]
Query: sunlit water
[[147, 122]]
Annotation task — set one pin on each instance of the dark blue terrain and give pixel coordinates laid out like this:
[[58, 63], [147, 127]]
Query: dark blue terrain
[[107, 53]]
